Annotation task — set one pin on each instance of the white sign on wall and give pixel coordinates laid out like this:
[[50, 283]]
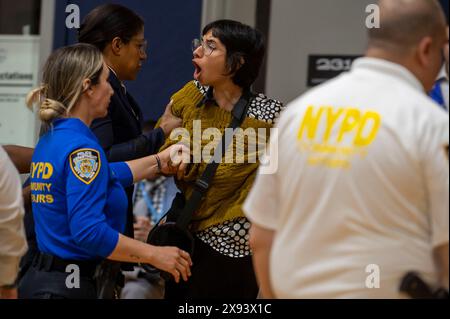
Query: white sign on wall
[[19, 66]]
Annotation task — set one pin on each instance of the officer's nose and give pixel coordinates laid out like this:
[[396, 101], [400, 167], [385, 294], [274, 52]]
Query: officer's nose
[[143, 55]]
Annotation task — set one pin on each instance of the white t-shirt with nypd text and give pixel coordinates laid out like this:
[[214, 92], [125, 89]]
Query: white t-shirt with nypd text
[[361, 194]]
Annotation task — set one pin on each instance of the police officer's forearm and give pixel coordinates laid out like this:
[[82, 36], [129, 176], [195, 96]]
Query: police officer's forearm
[[261, 244], [171, 161], [442, 262], [131, 250], [144, 168], [8, 293], [144, 145], [169, 259], [133, 149], [20, 156], [140, 146]]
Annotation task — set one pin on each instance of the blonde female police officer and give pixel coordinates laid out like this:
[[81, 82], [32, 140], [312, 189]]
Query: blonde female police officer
[[79, 203]]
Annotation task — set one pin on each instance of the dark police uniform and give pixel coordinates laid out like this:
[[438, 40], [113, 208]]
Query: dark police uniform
[[120, 135], [79, 207]]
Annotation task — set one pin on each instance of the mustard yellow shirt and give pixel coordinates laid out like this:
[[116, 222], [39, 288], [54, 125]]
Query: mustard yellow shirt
[[232, 181]]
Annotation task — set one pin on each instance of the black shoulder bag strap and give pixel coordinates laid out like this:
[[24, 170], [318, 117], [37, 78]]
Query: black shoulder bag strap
[[203, 183], [174, 231]]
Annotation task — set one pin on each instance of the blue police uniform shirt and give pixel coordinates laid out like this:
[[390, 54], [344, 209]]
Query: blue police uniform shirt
[[78, 198]]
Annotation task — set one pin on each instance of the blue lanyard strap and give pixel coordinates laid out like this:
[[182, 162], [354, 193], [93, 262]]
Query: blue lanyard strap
[[436, 94], [154, 214]]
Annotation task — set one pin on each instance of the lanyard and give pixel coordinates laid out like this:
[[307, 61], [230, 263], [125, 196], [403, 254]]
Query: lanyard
[[155, 216], [436, 94]]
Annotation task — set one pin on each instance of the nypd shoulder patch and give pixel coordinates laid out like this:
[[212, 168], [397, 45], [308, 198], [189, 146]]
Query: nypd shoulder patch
[[85, 164]]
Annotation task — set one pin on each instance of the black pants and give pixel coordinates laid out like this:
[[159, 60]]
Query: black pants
[[26, 261], [41, 283], [215, 276]]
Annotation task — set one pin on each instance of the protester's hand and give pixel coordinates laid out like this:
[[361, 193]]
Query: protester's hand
[[172, 260], [8, 293], [169, 121], [174, 160], [142, 228]]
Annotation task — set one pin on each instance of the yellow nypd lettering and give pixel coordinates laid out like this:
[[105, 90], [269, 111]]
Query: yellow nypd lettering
[[34, 167], [364, 125], [310, 123], [331, 120], [364, 139], [350, 122], [332, 136], [41, 170]]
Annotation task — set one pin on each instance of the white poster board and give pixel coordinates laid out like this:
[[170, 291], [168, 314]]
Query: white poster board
[[19, 66]]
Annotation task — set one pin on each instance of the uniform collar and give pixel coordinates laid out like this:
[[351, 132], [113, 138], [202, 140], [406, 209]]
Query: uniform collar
[[238, 109], [442, 76], [115, 82], [386, 67], [73, 124]]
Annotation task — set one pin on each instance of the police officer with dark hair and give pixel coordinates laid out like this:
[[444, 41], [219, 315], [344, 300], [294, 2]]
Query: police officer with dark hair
[[118, 33]]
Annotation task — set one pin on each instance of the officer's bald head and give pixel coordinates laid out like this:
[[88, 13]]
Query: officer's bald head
[[404, 23]]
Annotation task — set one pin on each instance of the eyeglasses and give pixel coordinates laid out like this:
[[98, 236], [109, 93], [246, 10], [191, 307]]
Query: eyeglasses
[[207, 48], [142, 45]]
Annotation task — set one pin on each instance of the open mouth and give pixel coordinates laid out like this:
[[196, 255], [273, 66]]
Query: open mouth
[[197, 70]]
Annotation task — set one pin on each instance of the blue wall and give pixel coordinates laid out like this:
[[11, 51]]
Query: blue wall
[[444, 4], [169, 28]]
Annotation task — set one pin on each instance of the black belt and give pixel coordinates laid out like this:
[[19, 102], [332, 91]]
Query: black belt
[[47, 262]]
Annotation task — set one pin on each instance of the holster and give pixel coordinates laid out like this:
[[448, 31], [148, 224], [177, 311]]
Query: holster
[[109, 280]]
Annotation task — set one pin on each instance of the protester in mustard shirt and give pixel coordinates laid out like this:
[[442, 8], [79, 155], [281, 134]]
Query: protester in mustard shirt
[[227, 60]]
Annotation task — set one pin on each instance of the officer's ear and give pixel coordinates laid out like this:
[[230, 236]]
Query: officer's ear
[[424, 51], [87, 87], [116, 46]]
